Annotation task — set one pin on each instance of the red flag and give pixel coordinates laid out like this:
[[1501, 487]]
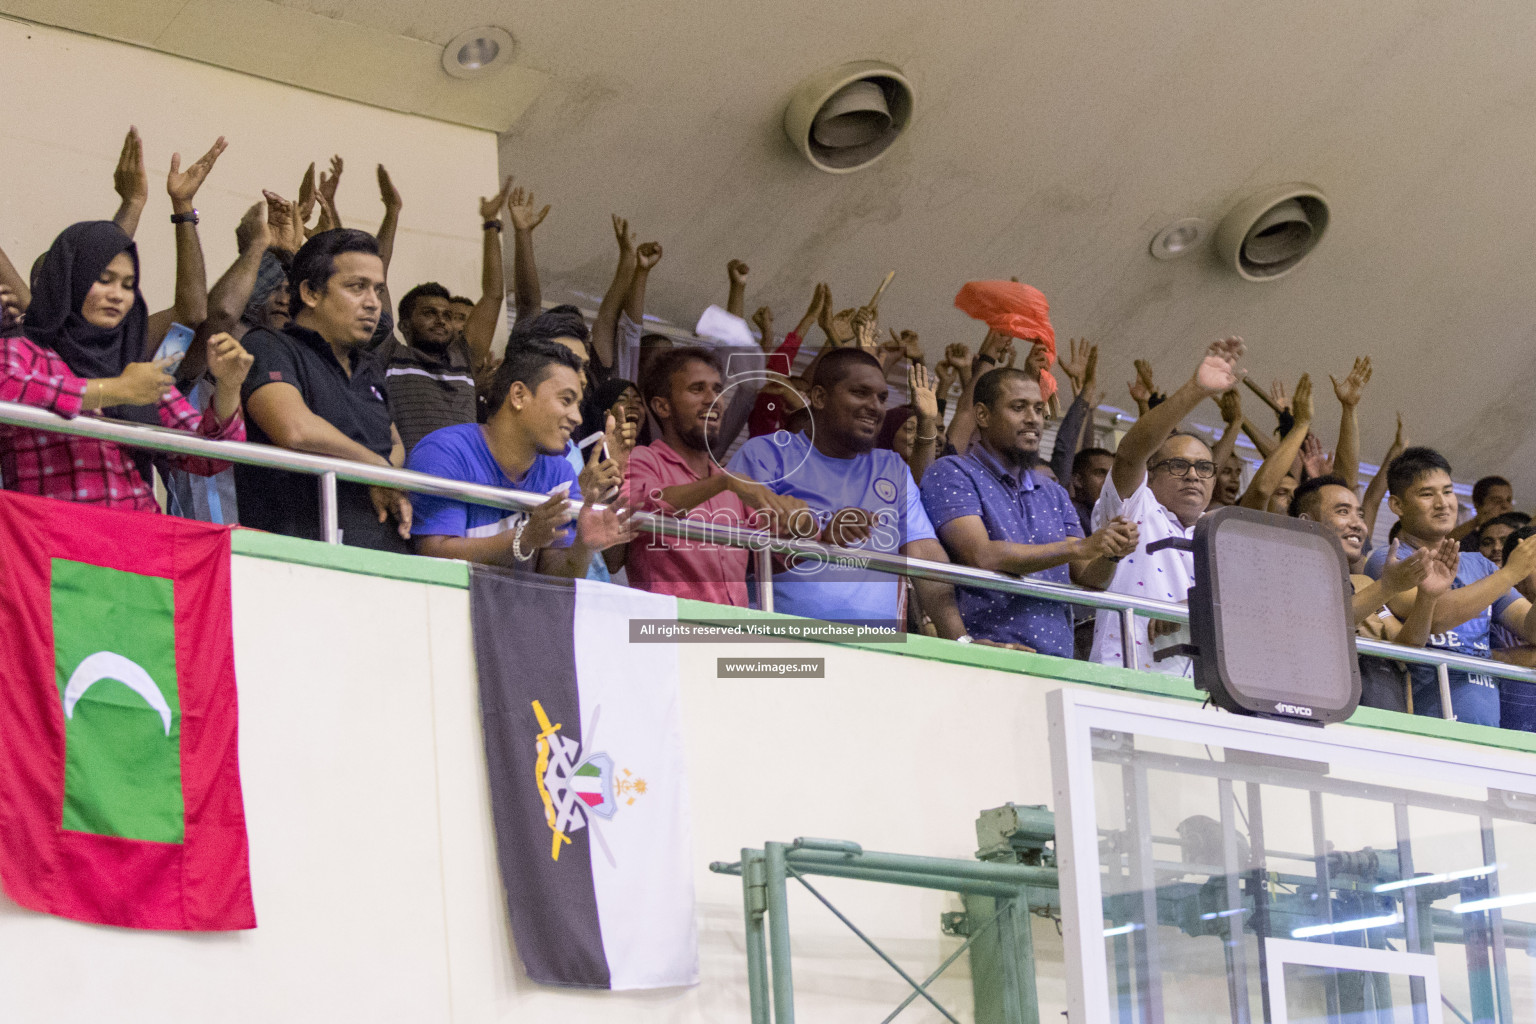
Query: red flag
[[119, 774]]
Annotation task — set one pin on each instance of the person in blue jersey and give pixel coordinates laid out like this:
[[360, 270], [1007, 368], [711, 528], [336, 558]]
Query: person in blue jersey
[[858, 496], [1422, 496], [536, 401]]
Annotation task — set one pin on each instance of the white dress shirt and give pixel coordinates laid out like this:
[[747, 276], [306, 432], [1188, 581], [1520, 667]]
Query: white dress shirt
[[1164, 576]]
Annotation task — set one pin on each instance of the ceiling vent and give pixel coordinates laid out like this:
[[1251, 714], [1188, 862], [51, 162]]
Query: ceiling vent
[[845, 118], [1267, 235]]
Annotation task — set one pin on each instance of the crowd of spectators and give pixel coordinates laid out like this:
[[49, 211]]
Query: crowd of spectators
[[297, 345]]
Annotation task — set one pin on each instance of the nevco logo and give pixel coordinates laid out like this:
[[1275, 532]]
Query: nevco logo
[[1292, 709]]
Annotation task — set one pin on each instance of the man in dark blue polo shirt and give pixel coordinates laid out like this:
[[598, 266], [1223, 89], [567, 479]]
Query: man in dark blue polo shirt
[[313, 389], [992, 511]]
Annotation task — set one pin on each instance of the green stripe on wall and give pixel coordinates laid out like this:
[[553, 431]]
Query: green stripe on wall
[[444, 573]]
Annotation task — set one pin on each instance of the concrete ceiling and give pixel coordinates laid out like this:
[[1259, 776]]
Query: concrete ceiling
[[1051, 141]]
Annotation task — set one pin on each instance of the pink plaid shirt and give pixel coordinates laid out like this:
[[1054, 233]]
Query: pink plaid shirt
[[83, 468]]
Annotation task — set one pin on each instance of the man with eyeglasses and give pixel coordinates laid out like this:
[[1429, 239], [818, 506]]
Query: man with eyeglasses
[[1161, 481]]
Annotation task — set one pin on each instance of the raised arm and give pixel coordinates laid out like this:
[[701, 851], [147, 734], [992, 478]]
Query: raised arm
[[962, 426], [131, 183], [230, 293], [1346, 457], [1232, 415], [390, 196], [1377, 489], [527, 300], [605, 327], [1278, 462], [647, 255], [481, 325], [1462, 603], [1216, 373], [1077, 423], [736, 299], [191, 305]]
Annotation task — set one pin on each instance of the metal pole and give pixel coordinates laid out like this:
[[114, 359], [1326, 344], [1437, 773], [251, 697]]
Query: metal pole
[[1496, 926], [1413, 937], [754, 902], [778, 933], [1237, 960], [1128, 638], [765, 579], [330, 532], [1443, 672]]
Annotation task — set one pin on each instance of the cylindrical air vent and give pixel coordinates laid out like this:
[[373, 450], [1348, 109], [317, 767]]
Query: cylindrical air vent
[[1267, 235], [845, 118]]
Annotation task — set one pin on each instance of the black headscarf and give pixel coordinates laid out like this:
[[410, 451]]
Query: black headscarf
[[68, 270]]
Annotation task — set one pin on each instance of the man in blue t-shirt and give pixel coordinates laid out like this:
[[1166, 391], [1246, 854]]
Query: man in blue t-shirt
[[861, 497], [535, 399], [1423, 498]]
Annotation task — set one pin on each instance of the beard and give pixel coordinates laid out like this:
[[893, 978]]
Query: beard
[[1021, 457]]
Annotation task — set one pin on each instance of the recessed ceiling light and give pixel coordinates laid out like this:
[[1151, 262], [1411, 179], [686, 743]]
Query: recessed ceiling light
[[1179, 238], [475, 51]]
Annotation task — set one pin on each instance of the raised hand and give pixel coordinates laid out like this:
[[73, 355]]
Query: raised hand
[[1399, 443], [388, 194], [624, 236], [1316, 459], [328, 219], [824, 314], [1522, 560], [328, 182], [525, 216], [737, 271], [1348, 391], [920, 384], [254, 230], [1139, 394], [601, 477], [183, 185], [763, 318], [1075, 366], [911, 347], [304, 206], [646, 256], [129, 180], [944, 374], [864, 331], [1231, 406], [490, 209], [283, 221], [1301, 400], [1144, 377], [995, 345], [1218, 371], [1277, 396], [1039, 360]]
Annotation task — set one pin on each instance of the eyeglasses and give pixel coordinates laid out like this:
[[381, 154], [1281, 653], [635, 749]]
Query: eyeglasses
[[1204, 469]]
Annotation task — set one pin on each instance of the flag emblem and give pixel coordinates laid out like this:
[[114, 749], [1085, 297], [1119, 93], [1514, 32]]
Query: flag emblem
[[574, 788]]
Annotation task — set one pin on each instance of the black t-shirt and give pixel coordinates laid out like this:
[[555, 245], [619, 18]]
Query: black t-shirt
[[289, 503]]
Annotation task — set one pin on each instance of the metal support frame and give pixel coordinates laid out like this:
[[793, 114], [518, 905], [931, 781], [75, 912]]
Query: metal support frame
[[330, 529], [765, 874]]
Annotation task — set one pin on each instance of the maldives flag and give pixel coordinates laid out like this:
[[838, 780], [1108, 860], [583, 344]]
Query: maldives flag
[[119, 776]]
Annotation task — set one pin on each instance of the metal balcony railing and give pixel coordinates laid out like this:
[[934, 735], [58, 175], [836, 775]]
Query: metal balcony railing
[[764, 545]]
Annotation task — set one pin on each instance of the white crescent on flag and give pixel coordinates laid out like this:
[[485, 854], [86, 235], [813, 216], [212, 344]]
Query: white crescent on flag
[[107, 665]]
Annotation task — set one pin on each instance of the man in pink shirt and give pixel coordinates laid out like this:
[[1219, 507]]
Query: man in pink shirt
[[676, 475]]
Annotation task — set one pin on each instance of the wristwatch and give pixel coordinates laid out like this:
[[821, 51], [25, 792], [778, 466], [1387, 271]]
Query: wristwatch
[[190, 217], [492, 225]]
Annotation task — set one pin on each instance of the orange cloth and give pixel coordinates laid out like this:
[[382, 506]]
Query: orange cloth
[[1018, 311]]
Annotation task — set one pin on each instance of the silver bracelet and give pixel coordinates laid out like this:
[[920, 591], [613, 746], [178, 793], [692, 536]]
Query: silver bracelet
[[517, 543]]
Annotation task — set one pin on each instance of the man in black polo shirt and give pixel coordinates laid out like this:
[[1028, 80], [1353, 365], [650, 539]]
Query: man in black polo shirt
[[447, 342], [314, 389]]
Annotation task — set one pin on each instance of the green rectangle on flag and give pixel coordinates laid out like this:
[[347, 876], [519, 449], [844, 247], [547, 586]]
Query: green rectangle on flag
[[114, 642]]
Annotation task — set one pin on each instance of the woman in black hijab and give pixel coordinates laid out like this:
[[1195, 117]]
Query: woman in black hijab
[[81, 352]]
